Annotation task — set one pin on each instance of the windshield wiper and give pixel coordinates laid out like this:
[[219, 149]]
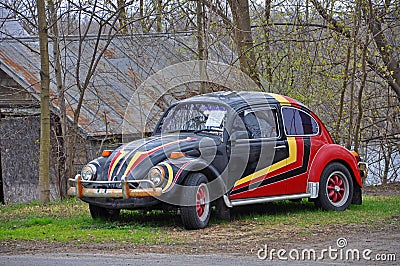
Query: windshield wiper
[[180, 130], [207, 129]]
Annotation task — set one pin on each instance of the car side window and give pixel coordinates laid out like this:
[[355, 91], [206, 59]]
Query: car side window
[[298, 122], [260, 123]]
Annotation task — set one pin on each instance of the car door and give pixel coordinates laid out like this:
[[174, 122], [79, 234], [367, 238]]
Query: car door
[[258, 146]]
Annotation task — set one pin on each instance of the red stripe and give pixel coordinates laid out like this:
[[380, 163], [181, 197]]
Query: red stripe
[[291, 100], [112, 163]]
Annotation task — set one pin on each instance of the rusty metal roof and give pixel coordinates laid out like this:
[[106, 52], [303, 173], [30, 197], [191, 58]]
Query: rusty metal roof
[[127, 62]]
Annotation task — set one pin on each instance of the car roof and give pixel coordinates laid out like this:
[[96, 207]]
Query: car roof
[[237, 100]]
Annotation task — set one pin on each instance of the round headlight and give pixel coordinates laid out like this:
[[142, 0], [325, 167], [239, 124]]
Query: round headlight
[[156, 175], [88, 172]]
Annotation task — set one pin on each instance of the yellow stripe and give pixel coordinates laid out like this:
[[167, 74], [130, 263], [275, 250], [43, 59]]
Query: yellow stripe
[[120, 156], [133, 160], [292, 158], [279, 98], [170, 176]]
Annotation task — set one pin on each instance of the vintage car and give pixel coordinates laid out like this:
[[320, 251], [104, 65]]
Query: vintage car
[[224, 149]]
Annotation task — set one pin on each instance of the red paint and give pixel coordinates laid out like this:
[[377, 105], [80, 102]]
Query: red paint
[[329, 153]]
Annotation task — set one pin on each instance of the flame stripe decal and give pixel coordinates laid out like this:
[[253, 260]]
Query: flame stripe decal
[[298, 167], [279, 98], [291, 159], [120, 154], [170, 175], [140, 156], [177, 175]]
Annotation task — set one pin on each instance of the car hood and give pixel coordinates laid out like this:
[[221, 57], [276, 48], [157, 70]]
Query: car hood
[[134, 159]]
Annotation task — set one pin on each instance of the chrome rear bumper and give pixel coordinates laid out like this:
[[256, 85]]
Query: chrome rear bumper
[[363, 166]]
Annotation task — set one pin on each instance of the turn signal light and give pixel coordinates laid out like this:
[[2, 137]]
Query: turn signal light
[[177, 155], [106, 153]]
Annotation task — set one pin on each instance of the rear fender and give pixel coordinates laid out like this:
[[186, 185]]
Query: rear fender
[[330, 153]]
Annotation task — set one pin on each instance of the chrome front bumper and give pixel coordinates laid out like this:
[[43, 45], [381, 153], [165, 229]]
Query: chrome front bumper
[[125, 192]]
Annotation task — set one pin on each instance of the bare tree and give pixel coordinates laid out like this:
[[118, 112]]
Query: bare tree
[[390, 70], [244, 39], [44, 172]]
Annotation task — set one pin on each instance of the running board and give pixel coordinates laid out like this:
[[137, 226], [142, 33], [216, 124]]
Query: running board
[[240, 202]]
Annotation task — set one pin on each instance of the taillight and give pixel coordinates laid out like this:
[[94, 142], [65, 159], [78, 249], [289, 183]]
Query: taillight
[[356, 155]]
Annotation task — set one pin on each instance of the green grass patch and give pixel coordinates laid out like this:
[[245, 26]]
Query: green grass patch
[[70, 221], [304, 214]]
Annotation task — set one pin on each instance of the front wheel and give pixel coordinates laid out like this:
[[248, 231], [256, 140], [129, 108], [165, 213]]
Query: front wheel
[[103, 213], [196, 212], [336, 188]]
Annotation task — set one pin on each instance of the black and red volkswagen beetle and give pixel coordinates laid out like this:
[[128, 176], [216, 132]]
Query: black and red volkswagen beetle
[[225, 149]]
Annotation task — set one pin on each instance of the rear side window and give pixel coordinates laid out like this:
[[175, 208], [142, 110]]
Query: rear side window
[[298, 122]]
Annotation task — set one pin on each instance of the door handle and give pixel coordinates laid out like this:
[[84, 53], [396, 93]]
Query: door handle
[[280, 147]]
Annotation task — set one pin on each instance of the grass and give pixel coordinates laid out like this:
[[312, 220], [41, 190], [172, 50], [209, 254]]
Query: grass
[[66, 221], [304, 214], [70, 221]]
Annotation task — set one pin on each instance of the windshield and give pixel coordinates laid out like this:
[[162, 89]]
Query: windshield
[[194, 117]]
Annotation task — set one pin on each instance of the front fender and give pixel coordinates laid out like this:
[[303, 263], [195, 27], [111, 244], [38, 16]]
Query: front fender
[[330, 153], [179, 169]]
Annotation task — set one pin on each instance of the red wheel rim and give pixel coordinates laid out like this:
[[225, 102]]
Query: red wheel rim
[[336, 188], [200, 201]]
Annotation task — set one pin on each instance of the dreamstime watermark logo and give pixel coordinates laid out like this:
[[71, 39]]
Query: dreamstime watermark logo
[[340, 252]]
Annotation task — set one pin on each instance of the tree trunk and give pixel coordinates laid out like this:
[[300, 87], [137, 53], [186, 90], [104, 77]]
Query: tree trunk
[[44, 168], [159, 14], [386, 156], [141, 16], [267, 45], [122, 17], [200, 44], [357, 132], [351, 111], [356, 26], [244, 39], [60, 95], [337, 134]]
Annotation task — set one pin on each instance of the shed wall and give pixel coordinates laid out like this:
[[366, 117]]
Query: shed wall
[[19, 148]]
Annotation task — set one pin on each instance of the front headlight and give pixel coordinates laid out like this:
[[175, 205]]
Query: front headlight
[[89, 172], [156, 175]]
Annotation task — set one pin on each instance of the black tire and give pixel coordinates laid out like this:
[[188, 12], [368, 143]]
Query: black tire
[[357, 195], [103, 213], [196, 212], [335, 188], [222, 211]]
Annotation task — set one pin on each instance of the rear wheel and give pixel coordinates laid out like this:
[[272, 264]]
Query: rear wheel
[[336, 188], [196, 212], [103, 213]]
